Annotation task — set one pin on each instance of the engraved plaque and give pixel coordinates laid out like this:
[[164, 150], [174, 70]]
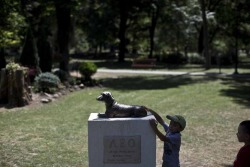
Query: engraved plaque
[[122, 149]]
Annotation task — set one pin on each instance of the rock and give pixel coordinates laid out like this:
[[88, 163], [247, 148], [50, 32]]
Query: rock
[[76, 87], [48, 95], [81, 86], [45, 100], [56, 95]]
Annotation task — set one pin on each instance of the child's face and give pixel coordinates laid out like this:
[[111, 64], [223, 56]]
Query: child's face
[[174, 127], [242, 135]]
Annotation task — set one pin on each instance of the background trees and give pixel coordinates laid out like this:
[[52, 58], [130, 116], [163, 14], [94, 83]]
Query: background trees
[[52, 30]]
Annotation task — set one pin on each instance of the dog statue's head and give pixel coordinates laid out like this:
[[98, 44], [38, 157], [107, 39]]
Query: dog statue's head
[[106, 97]]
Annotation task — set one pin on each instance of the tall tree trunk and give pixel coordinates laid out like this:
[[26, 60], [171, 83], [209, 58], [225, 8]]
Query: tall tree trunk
[[63, 13], [205, 36], [122, 30], [154, 18], [3, 87], [2, 59], [236, 29], [200, 40], [44, 47], [29, 56], [45, 55]]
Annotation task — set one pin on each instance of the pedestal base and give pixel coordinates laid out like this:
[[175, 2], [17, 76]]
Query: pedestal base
[[121, 142]]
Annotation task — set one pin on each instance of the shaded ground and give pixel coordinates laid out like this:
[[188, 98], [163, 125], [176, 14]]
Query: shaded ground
[[37, 99]]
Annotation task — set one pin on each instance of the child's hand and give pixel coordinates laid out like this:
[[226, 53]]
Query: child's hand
[[153, 123]]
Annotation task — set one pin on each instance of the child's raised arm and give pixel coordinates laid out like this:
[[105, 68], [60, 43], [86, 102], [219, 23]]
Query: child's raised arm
[[161, 136], [157, 117]]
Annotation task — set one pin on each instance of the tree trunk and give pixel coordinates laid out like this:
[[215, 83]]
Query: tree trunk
[[14, 88], [63, 13], [154, 19], [29, 56], [2, 59], [45, 55], [122, 30], [44, 48], [3, 87], [205, 35]]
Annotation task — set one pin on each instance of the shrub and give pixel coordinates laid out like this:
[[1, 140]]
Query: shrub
[[174, 58], [75, 66], [62, 75], [222, 59], [87, 69], [12, 66], [195, 58], [47, 82]]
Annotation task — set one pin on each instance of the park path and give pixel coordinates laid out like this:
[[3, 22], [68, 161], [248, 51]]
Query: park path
[[102, 73], [157, 72]]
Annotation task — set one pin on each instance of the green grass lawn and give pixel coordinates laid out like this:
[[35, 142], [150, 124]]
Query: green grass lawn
[[55, 134]]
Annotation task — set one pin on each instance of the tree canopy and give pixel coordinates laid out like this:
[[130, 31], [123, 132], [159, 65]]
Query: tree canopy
[[148, 27]]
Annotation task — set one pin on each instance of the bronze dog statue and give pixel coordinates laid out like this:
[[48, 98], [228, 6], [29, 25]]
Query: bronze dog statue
[[114, 109]]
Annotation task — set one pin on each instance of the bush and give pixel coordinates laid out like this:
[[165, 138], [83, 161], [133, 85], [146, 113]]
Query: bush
[[87, 69], [47, 82], [174, 58], [195, 58], [222, 59], [62, 75]]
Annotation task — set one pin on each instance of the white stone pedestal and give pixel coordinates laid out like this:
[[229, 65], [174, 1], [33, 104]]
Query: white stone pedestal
[[121, 142]]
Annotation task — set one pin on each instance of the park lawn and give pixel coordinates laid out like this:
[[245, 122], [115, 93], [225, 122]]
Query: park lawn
[[56, 134]]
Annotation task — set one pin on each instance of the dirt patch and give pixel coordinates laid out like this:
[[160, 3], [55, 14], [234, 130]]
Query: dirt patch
[[39, 99]]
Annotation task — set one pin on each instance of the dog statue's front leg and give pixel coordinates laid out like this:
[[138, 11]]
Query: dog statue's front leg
[[102, 115], [106, 115]]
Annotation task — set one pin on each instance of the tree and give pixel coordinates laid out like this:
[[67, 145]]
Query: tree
[[123, 13], [44, 31], [205, 35], [29, 56], [10, 23], [128, 12], [154, 18], [44, 49], [2, 59], [99, 24], [64, 25]]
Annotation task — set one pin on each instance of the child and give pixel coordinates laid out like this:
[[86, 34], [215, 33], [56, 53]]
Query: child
[[172, 139], [243, 135]]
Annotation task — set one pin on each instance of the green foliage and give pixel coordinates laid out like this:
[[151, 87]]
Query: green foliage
[[72, 81], [195, 58], [174, 58], [47, 82], [11, 23], [65, 77], [12, 66], [87, 69], [222, 59], [62, 75]]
